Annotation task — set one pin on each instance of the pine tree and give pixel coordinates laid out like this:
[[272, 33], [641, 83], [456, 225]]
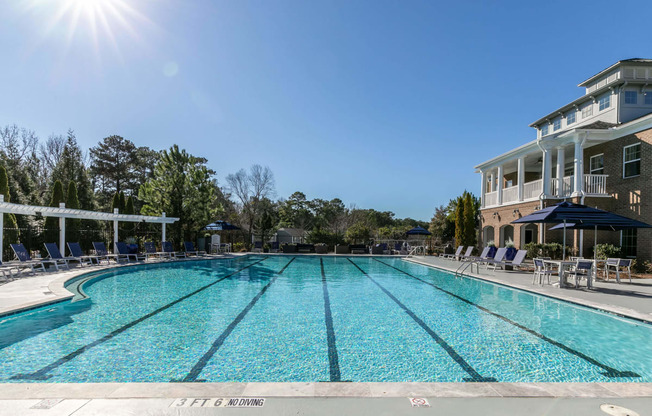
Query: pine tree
[[116, 203], [114, 164], [9, 219], [470, 238], [129, 206], [459, 222], [72, 224], [52, 223]]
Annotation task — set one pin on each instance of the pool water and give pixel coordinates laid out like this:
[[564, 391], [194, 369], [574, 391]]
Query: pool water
[[311, 319]]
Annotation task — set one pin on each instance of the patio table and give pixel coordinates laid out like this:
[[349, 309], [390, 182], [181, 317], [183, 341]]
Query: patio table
[[562, 266]]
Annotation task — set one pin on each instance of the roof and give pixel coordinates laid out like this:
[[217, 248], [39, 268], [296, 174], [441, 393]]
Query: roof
[[599, 74], [597, 125], [294, 232]]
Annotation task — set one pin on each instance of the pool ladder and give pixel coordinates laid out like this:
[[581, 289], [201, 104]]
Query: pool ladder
[[465, 265]]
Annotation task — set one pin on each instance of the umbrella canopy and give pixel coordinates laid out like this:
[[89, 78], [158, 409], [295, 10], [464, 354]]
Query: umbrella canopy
[[221, 226], [418, 231]]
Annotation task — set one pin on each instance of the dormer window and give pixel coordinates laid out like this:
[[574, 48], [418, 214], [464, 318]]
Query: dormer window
[[544, 130], [570, 118], [631, 97], [556, 124], [605, 102]]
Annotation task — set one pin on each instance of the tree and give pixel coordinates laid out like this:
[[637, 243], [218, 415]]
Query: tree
[[70, 167], [267, 220], [250, 189], [441, 226], [358, 232], [72, 224], [113, 163], [117, 202], [470, 234], [459, 222], [52, 223], [9, 219], [296, 212], [182, 186]]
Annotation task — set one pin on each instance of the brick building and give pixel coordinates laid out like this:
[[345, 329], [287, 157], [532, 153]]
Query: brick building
[[596, 150]]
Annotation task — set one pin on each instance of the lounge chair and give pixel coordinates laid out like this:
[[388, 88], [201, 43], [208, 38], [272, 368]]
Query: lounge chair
[[189, 248], [150, 250], [541, 271], [102, 253], [76, 251], [519, 258], [274, 248], [497, 260], [455, 255], [167, 248], [6, 269], [358, 249], [582, 269], [124, 252], [55, 254], [467, 254], [258, 247], [26, 261]]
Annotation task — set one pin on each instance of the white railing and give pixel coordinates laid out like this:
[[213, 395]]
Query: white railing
[[532, 190], [567, 187], [595, 184], [510, 194], [491, 199]]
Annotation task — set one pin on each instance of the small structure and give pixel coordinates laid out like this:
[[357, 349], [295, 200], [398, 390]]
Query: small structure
[[62, 213], [290, 235]]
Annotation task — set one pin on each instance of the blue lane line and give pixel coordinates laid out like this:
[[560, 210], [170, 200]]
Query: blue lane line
[[608, 371], [475, 376], [333, 358], [203, 361], [41, 374]]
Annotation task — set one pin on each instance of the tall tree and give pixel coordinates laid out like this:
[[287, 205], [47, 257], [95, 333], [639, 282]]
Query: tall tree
[[52, 223], [70, 167], [183, 187], [459, 222], [113, 164], [72, 224], [441, 226], [250, 188], [470, 234], [12, 234]]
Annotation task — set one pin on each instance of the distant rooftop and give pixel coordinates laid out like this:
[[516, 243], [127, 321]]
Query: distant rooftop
[[609, 68]]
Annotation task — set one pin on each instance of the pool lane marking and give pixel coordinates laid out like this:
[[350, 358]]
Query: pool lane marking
[[333, 358], [475, 376], [199, 366], [41, 374], [609, 371]]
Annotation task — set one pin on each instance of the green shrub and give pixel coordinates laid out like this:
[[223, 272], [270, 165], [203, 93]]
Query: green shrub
[[605, 251], [238, 247], [641, 266], [534, 250]]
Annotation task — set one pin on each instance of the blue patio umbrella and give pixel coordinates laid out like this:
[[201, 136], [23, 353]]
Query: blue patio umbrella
[[418, 231]]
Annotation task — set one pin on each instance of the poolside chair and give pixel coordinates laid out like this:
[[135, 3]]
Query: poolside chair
[[258, 247], [7, 269], [55, 254], [618, 265], [102, 253], [582, 269], [150, 251], [124, 252], [612, 263], [274, 247], [189, 248], [541, 271], [457, 253], [76, 251], [167, 247], [519, 258], [26, 261], [498, 259], [467, 253]]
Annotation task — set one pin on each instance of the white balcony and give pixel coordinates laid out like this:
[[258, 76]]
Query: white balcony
[[491, 199], [532, 190], [567, 187], [510, 194], [595, 185]]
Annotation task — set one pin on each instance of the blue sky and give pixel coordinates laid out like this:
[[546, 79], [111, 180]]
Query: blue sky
[[384, 104]]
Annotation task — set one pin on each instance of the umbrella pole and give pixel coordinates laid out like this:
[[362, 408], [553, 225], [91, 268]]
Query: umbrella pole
[[564, 246]]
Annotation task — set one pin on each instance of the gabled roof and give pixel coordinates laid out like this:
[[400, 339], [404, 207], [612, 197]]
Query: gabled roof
[[601, 73], [598, 125]]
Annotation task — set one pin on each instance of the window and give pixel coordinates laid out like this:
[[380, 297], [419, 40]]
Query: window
[[596, 164], [631, 97], [605, 102], [628, 243], [648, 98], [556, 124], [544, 130], [587, 111], [632, 160], [570, 118]]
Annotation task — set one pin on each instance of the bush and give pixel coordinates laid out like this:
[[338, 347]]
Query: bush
[[605, 251], [534, 250], [491, 243], [509, 243], [641, 266], [239, 247]]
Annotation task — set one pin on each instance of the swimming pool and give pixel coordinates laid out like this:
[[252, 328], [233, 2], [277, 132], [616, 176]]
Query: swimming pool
[[311, 319]]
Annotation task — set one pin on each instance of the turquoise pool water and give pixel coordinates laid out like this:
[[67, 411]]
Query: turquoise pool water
[[311, 319]]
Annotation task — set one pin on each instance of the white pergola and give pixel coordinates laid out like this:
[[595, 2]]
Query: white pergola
[[62, 213]]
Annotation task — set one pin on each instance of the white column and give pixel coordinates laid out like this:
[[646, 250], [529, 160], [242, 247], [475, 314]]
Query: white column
[[163, 228], [547, 171], [62, 232], [521, 177], [578, 170], [115, 229], [499, 186], [491, 182], [561, 155], [483, 187], [2, 227]]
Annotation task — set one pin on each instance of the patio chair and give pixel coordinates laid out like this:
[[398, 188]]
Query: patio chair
[[618, 268], [7, 269], [76, 251], [125, 253], [55, 254], [541, 271], [612, 263], [25, 260], [150, 251], [167, 247], [274, 247], [582, 269], [102, 253], [467, 253], [189, 248], [455, 255], [498, 258], [258, 247]]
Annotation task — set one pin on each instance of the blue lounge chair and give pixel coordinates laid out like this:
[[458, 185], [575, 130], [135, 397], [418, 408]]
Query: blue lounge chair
[[189, 248], [76, 251], [517, 262], [457, 253], [167, 247], [55, 254], [150, 250], [102, 252], [26, 260], [467, 253], [125, 253]]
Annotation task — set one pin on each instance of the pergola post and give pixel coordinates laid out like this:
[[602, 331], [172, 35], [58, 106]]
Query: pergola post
[[115, 228], [62, 232], [2, 228], [163, 228]]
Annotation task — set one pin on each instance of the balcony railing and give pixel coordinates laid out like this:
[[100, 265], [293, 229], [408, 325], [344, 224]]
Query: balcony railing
[[595, 184], [532, 190], [491, 199], [567, 187], [510, 194]]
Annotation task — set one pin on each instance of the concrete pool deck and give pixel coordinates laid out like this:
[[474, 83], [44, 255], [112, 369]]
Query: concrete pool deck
[[334, 398]]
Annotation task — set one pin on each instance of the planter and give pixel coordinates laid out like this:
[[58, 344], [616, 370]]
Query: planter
[[510, 254], [492, 252], [321, 249]]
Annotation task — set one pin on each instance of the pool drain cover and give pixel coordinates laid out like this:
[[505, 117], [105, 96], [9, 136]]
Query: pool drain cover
[[612, 409]]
